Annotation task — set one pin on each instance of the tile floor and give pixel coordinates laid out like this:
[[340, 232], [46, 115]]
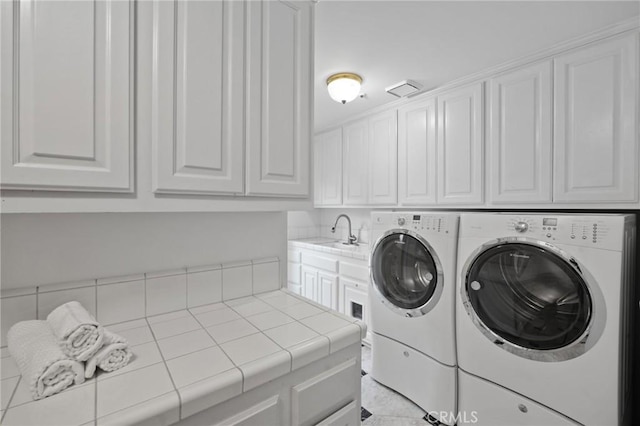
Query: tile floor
[[382, 406]]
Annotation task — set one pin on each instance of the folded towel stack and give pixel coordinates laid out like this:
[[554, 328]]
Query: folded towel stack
[[40, 359], [50, 353], [79, 334]]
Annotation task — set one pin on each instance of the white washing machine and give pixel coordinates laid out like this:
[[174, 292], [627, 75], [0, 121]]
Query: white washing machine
[[413, 260], [542, 318]]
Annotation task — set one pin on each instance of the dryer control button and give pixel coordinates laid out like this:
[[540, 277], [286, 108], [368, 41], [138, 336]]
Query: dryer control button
[[523, 408], [475, 285], [521, 226], [401, 221]]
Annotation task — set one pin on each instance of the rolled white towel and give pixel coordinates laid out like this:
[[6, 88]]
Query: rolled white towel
[[114, 354], [43, 365], [78, 332]]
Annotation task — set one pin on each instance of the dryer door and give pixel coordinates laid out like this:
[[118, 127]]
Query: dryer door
[[406, 273], [531, 299]]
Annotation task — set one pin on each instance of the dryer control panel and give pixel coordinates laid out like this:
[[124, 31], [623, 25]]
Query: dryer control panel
[[416, 221], [588, 230]]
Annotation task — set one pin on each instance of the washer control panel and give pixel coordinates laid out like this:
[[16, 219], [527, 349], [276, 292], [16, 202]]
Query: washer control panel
[[571, 229]]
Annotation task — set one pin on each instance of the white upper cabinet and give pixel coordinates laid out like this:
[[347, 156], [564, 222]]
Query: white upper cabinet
[[519, 160], [328, 168], [383, 159], [417, 153], [278, 97], [596, 122], [66, 95], [355, 162], [460, 150], [197, 119]]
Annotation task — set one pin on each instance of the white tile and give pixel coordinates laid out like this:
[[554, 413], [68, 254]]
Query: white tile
[[301, 310], [159, 411], [218, 316], [66, 286], [166, 294], [252, 307], [231, 330], [143, 356], [204, 268], [290, 334], [120, 279], [265, 369], [204, 287], [270, 319], [126, 390], [168, 317], [236, 282], [8, 368], [13, 310], [120, 302], [7, 386], [343, 337], [209, 392], [127, 325], [13, 292], [196, 366], [236, 264], [266, 277], [308, 351], [282, 300], [241, 301], [207, 308], [269, 294], [250, 348], [167, 273], [47, 302], [172, 328], [73, 406], [324, 322], [136, 336], [186, 343]]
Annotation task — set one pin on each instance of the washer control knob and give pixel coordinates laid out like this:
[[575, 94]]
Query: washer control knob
[[521, 226], [401, 221]]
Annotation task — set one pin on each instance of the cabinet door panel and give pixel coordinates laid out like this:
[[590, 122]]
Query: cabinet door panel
[[520, 136], [595, 132], [417, 154], [278, 113], [309, 283], [355, 160], [197, 97], [67, 91], [460, 150], [327, 290], [328, 167], [383, 160]]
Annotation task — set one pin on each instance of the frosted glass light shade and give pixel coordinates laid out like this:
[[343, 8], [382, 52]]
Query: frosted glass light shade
[[344, 87]]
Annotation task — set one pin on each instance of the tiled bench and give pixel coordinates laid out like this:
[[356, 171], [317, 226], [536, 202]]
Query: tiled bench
[[273, 357]]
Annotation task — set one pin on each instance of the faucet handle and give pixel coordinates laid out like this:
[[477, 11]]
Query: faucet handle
[[352, 239]]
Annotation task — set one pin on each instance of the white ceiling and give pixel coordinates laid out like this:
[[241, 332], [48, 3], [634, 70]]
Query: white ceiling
[[434, 42]]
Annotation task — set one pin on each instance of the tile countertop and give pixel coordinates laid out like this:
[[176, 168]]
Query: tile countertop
[[189, 360], [328, 245]]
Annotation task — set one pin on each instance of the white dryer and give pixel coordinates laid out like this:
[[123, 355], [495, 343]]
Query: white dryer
[[413, 260], [543, 318]]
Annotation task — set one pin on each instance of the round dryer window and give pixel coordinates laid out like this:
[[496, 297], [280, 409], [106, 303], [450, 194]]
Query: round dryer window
[[406, 274], [529, 296]]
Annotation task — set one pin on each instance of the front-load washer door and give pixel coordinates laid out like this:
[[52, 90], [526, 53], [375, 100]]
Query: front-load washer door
[[530, 299], [406, 273]]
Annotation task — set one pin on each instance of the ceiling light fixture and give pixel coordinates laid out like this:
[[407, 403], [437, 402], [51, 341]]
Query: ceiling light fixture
[[344, 87]]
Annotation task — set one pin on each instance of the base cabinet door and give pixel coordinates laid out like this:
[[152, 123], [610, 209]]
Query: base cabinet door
[[327, 290], [309, 286], [66, 95], [596, 122]]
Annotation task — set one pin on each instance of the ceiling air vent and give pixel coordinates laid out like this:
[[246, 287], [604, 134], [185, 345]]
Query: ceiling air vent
[[404, 88]]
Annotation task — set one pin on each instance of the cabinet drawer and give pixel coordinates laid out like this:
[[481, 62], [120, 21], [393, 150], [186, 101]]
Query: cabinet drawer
[[327, 264], [318, 397], [355, 271], [346, 416]]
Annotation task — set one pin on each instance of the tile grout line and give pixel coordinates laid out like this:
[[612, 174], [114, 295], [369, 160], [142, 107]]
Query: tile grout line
[[95, 398], [175, 388], [13, 394]]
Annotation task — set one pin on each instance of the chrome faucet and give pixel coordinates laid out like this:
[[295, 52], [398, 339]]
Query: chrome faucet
[[351, 239]]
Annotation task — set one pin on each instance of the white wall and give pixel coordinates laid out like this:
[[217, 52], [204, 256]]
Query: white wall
[[40, 249]]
